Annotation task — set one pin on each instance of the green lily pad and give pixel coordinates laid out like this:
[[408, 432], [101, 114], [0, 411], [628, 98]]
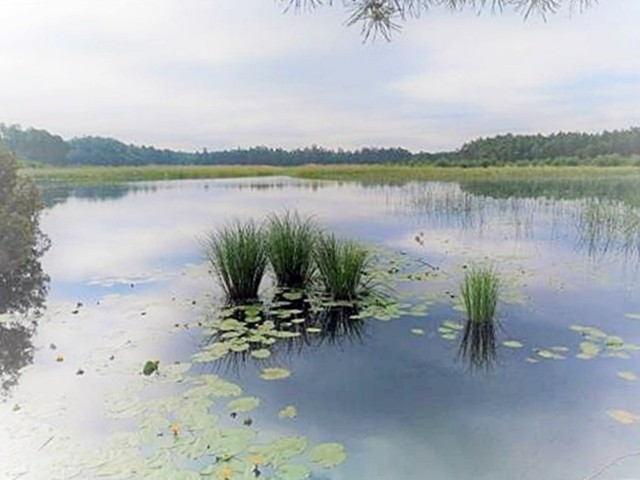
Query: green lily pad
[[417, 331], [289, 412], [275, 373], [630, 376], [243, 404], [219, 387], [261, 353], [328, 455], [549, 354], [293, 472], [588, 350], [633, 316], [512, 344], [623, 416]]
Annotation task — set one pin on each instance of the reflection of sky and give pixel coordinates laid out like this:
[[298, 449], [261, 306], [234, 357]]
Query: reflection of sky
[[404, 405]]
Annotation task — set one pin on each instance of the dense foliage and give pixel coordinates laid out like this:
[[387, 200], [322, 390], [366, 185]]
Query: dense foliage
[[618, 147], [22, 281]]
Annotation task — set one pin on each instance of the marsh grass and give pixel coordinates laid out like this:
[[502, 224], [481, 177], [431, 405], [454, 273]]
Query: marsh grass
[[237, 255], [480, 291], [342, 266], [290, 242]]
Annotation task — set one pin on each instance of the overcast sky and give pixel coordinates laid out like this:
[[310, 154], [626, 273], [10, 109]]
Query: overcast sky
[[224, 73]]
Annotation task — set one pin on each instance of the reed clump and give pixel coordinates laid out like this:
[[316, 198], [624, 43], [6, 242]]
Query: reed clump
[[480, 292], [342, 266], [237, 255], [290, 242]]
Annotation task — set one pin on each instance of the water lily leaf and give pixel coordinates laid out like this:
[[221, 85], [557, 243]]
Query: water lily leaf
[[243, 404], [274, 373], [328, 454], [623, 416], [452, 325], [281, 449], [588, 350], [417, 331], [549, 355], [288, 412], [212, 352], [630, 376], [261, 353], [512, 344], [633, 316], [314, 330], [295, 295], [293, 472], [232, 324], [219, 387]]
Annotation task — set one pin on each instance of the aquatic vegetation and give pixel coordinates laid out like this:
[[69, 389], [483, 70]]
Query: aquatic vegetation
[[237, 254], [342, 267], [150, 367], [480, 292], [629, 376], [623, 416], [512, 344], [288, 412], [597, 343], [290, 241], [275, 373], [478, 346], [449, 330]]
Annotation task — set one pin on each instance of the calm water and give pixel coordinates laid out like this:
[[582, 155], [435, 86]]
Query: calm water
[[128, 284]]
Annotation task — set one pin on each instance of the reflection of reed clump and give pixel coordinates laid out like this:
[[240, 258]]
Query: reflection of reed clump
[[480, 291]]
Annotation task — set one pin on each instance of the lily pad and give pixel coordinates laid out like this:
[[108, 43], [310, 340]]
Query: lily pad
[[630, 376], [328, 455], [289, 412], [623, 416], [293, 472], [417, 331], [261, 353], [512, 344], [275, 373], [633, 316], [243, 404]]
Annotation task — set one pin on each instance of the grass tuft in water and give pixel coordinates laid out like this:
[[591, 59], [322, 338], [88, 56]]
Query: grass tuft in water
[[342, 267], [290, 241], [237, 254], [480, 291]]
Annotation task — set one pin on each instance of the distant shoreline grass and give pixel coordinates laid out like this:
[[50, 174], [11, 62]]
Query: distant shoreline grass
[[357, 173]]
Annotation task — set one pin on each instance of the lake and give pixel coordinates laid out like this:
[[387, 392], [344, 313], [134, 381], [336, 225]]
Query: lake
[[556, 399]]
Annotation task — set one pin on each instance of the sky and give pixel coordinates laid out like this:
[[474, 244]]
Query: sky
[[216, 74]]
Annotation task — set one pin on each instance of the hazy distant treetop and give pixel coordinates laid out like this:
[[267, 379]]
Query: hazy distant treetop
[[385, 17]]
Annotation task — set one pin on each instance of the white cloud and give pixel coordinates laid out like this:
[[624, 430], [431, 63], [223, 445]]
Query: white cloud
[[197, 73]]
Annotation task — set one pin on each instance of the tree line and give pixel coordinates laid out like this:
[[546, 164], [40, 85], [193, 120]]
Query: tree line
[[618, 147]]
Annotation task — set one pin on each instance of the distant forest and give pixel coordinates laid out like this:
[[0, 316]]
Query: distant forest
[[619, 147]]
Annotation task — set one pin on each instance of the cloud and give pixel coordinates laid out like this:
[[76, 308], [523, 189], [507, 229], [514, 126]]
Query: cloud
[[222, 74]]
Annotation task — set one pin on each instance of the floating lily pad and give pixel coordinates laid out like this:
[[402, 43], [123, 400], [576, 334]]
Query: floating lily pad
[[588, 350], [630, 376], [289, 412], [261, 353], [275, 373], [549, 354], [417, 331], [293, 472], [512, 344], [633, 316], [623, 416], [328, 455], [243, 404], [218, 387]]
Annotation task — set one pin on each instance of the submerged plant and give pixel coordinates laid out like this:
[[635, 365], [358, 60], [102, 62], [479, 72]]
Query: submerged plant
[[237, 254], [480, 291], [290, 241], [342, 267]]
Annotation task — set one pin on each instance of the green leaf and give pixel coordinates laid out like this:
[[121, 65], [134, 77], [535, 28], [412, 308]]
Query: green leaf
[[288, 412], [633, 316], [512, 344], [219, 387], [274, 373], [293, 472], [261, 353], [243, 404], [417, 331], [630, 376], [328, 455], [623, 416]]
